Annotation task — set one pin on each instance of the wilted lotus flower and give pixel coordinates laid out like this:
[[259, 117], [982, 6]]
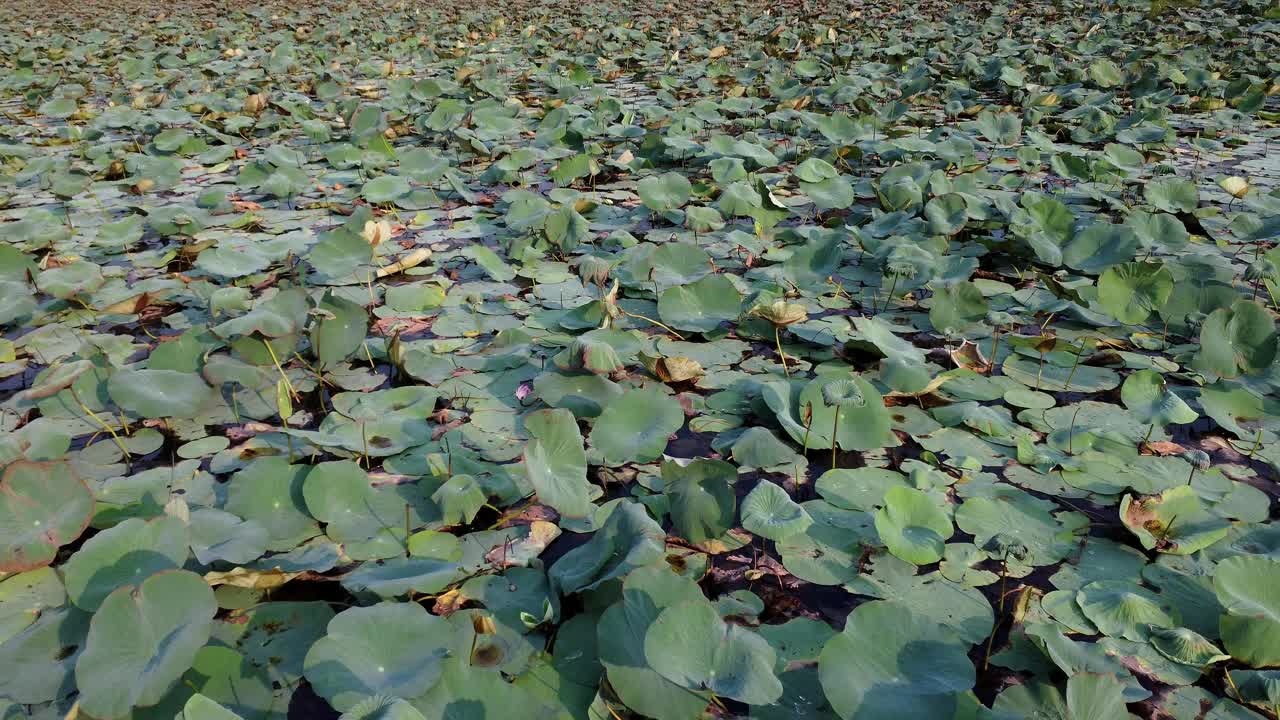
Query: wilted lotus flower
[[376, 232], [255, 103], [1235, 186], [781, 313]]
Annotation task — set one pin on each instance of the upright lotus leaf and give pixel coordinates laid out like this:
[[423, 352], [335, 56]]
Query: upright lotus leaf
[[557, 463], [1259, 687], [1121, 608], [1047, 225], [1000, 128], [769, 512], [628, 539], [127, 553], [160, 393], [636, 426], [142, 640], [269, 491], [958, 307], [700, 306], [1146, 394], [1098, 696], [691, 645], [1176, 521], [891, 662], [621, 636], [1240, 340], [666, 192], [43, 506], [338, 329], [814, 261], [703, 503], [392, 649], [912, 525], [1248, 586], [1131, 292], [41, 659], [199, 707]]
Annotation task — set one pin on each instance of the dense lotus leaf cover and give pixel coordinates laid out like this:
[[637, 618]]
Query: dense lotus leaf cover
[[417, 360]]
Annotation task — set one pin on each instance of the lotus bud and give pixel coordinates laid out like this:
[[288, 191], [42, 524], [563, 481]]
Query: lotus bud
[[375, 233], [1235, 186], [483, 624]]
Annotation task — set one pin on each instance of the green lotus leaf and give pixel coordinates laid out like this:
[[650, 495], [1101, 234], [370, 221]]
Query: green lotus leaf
[[1248, 586], [913, 526], [339, 329], [141, 641], [692, 646], [1147, 395], [370, 522], [621, 635], [662, 193], [160, 393], [1121, 608], [269, 491], [43, 506], [1131, 292], [383, 707], [42, 658], [557, 463], [1239, 340], [770, 513], [947, 214], [1172, 195], [701, 496], [628, 539], [1176, 521], [1185, 646], [635, 427], [127, 553], [890, 661], [700, 306], [957, 307], [199, 707], [389, 649]]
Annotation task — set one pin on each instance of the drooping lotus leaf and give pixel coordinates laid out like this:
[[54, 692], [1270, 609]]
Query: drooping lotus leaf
[[394, 649], [1175, 521], [635, 427], [338, 330], [43, 506], [913, 526], [957, 307], [556, 461], [628, 539], [127, 553], [702, 500], [1121, 608], [1185, 646], [769, 512], [141, 641], [217, 535], [692, 646], [1147, 395], [1239, 340], [889, 661], [160, 393], [622, 630], [1248, 586]]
